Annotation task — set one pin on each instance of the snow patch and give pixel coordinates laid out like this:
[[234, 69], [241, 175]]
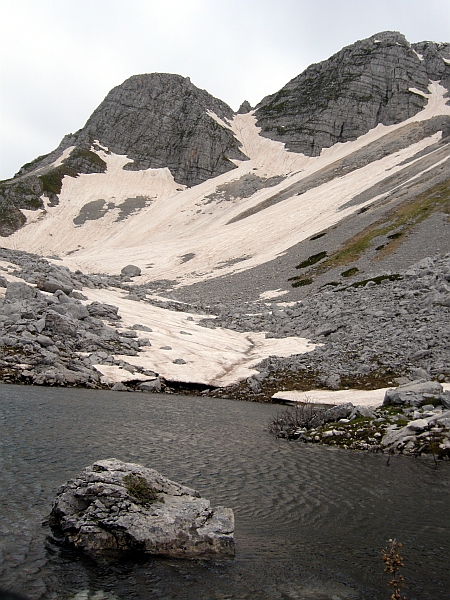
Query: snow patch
[[180, 221], [369, 398], [272, 294], [111, 374], [213, 356]]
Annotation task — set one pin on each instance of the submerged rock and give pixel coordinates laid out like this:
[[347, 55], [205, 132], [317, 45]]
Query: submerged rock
[[113, 507]]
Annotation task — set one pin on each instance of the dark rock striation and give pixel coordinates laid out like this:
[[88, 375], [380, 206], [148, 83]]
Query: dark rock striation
[[345, 96], [114, 507]]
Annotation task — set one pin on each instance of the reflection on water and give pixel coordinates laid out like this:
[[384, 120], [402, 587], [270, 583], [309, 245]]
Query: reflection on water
[[310, 521]]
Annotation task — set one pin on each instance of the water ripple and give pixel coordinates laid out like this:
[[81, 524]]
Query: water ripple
[[310, 520]]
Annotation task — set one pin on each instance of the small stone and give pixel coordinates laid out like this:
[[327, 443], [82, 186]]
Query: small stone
[[418, 425], [119, 387], [131, 271]]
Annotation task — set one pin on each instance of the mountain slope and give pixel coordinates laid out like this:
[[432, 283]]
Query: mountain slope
[[157, 120], [156, 134]]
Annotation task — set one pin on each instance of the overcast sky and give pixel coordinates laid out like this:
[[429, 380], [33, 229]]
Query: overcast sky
[[59, 58]]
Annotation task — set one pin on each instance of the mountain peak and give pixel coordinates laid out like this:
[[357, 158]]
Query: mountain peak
[[362, 85]]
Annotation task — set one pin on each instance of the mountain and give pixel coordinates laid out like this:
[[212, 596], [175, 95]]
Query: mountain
[[382, 79], [174, 209]]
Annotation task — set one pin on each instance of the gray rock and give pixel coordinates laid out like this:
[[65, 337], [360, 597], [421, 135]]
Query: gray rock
[[345, 96], [394, 437], [44, 340], [244, 108], [420, 374], [362, 411], [103, 311], [412, 393], [131, 271], [113, 507], [333, 382], [445, 399], [59, 324], [153, 385], [341, 411], [119, 387], [139, 327], [16, 290], [77, 311], [128, 334], [418, 425], [52, 285], [179, 361], [78, 295], [3, 281]]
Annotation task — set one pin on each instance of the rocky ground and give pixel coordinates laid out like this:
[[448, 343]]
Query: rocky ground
[[372, 332], [48, 337]]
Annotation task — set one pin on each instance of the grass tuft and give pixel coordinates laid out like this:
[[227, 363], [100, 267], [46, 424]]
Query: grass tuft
[[138, 487]]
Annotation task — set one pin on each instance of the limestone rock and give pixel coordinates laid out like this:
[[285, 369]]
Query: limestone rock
[[113, 507], [412, 393], [345, 96], [153, 385], [131, 271], [18, 290], [244, 108], [52, 285]]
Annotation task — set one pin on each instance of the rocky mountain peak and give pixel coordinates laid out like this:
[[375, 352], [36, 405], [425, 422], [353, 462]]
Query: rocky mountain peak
[[364, 84], [161, 120], [244, 108]]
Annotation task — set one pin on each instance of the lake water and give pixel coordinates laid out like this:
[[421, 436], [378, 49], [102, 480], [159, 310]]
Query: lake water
[[310, 520]]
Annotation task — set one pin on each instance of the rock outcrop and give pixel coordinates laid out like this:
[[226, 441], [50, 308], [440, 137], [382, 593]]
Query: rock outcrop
[[377, 80], [114, 507]]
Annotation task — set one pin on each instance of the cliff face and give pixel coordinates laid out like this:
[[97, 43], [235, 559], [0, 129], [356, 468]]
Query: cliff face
[[162, 120], [345, 96]]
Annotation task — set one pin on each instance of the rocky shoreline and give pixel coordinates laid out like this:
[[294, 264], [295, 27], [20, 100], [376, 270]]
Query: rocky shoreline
[[371, 333], [414, 419]]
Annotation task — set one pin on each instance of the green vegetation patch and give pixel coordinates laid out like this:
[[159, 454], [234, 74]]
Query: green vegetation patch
[[404, 217], [312, 260], [138, 487], [376, 280], [316, 237], [300, 282], [350, 272], [395, 225], [52, 181], [88, 155]]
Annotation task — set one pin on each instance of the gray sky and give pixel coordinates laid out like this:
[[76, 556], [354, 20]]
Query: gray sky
[[59, 58]]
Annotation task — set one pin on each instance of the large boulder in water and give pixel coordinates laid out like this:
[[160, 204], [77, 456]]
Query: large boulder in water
[[113, 507]]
